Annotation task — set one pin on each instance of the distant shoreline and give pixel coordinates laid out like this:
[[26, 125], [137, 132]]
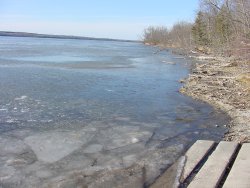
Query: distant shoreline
[[36, 35]]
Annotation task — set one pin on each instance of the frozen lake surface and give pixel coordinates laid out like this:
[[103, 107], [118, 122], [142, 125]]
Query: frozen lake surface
[[94, 113]]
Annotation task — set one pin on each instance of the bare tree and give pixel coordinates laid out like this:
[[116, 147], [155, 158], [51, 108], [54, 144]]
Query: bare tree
[[155, 35], [221, 26], [178, 36]]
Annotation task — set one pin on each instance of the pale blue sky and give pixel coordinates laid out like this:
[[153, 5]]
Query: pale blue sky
[[123, 19]]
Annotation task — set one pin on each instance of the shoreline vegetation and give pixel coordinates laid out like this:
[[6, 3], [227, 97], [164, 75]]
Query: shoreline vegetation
[[220, 39]]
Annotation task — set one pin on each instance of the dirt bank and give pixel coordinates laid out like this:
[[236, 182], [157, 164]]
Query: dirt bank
[[225, 84]]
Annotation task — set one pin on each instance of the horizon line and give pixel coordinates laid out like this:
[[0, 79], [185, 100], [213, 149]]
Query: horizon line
[[59, 36]]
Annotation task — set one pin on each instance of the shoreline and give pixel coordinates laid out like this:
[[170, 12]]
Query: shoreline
[[224, 84]]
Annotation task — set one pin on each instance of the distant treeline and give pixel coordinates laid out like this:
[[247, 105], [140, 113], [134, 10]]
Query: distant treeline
[[36, 35], [221, 26]]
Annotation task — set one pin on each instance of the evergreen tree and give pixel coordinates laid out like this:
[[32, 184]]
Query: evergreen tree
[[222, 26], [199, 31]]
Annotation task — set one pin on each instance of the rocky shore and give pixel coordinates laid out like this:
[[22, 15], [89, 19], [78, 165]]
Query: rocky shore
[[225, 84]]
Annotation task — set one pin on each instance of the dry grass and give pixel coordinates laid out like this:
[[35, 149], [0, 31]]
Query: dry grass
[[244, 79]]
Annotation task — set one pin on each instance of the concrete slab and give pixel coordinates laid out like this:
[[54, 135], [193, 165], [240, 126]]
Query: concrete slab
[[194, 155], [239, 175], [212, 171]]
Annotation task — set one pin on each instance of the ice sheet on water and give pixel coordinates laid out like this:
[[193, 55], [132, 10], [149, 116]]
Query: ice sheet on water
[[128, 106], [10, 145], [6, 172], [53, 146], [59, 153], [94, 148], [21, 98], [120, 136]]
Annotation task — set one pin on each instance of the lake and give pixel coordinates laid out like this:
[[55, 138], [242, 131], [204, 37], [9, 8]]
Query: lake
[[94, 113]]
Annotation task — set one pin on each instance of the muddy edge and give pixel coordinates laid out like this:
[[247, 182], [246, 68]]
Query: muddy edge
[[223, 83]]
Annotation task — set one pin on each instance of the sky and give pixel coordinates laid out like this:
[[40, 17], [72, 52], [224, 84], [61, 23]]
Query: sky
[[120, 19]]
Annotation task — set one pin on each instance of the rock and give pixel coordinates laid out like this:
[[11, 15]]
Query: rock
[[182, 81]]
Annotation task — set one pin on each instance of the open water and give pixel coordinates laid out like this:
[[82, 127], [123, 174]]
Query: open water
[[73, 112]]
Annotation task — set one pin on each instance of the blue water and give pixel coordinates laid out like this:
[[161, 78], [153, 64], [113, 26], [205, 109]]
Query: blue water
[[48, 85]]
